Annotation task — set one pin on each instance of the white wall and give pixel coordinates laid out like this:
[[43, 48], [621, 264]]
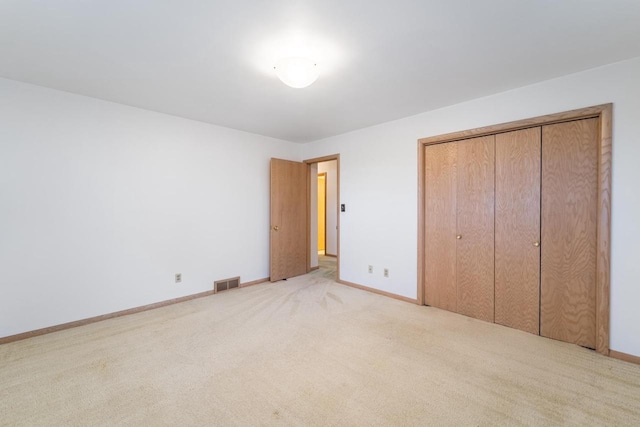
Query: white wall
[[378, 183], [101, 204], [331, 169]]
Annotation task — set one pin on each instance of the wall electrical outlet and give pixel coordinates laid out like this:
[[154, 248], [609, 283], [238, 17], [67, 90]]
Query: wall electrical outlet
[[178, 277], [371, 269], [386, 272]]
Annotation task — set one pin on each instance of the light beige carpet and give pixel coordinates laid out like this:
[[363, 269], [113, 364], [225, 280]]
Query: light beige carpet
[[328, 267], [308, 351]]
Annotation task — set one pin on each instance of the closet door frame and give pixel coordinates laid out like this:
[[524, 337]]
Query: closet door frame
[[603, 233]]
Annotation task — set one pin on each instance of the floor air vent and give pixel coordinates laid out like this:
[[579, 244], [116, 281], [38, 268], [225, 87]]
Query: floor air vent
[[226, 284]]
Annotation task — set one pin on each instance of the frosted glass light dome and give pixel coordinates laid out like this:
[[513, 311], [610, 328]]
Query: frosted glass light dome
[[297, 72]]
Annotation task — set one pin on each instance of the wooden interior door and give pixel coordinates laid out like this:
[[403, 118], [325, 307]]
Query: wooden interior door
[[517, 223], [475, 227], [569, 215], [288, 242], [440, 226]]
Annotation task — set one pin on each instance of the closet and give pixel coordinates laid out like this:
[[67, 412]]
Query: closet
[[510, 227]]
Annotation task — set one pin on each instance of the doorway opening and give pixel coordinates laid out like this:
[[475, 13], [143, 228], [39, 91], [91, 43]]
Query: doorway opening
[[322, 213], [324, 177]]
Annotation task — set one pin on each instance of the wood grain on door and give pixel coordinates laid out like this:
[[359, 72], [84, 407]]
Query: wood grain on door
[[569, 218], [440, 226], [517, 221], [288, 243], [475, 227]]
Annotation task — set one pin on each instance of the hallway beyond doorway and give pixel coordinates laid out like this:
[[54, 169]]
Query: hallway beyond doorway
[[327, 267]]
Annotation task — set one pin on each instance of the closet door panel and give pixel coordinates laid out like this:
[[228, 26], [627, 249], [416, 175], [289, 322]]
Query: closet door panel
[[569, 214], [475, 208], [440, 226], [517, 223]]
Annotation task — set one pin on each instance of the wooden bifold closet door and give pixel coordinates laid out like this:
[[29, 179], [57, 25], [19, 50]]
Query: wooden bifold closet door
[[517, 286], [511, 228], [440, 225], [515, 224], [475, 232], [569, 215], [459, 270]]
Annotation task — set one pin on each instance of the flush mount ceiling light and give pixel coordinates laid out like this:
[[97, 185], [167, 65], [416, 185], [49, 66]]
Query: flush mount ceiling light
[[296, 71]]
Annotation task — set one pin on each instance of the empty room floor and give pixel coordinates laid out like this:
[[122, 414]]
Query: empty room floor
[[308, 351]]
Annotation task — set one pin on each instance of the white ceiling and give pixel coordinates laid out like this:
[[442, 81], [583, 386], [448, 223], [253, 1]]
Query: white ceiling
[[212, 60]]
